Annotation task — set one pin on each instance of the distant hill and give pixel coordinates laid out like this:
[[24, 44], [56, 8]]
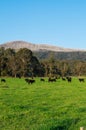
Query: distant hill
[[34, 47], [76, 55], [44, 51]]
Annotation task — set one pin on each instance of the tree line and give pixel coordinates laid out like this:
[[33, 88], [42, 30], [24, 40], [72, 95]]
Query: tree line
[[23, 63]]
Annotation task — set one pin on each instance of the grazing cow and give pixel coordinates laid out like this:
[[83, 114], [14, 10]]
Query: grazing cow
[[42, 79], [30, 81], [26, 80], [63, 78], [3, 80], [51, 80], [81, 79], [69, 79]]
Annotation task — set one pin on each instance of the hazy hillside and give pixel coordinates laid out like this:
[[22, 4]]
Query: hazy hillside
[[76, 55], [44, 51], [34, 47]]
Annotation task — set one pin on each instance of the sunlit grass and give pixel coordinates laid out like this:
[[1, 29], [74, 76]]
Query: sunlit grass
[[42, 105]]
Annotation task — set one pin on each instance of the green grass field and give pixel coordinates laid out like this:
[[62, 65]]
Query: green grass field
[[42, 105]]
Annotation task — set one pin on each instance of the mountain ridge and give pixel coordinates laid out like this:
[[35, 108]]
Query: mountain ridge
[[36, 47]]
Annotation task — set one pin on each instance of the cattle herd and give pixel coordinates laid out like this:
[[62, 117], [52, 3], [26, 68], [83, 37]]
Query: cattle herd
[[50, 79]]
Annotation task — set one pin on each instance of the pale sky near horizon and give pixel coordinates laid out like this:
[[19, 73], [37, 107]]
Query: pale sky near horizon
[[57, 22]]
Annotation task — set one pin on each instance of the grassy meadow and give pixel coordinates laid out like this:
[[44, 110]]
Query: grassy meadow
[[42, 105]]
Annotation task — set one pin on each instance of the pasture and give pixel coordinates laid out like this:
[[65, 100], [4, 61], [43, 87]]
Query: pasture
[[59, 105]]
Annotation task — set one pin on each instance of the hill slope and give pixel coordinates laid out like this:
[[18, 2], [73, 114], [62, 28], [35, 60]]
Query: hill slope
[[76, 55], [34, 47], [44, 51]]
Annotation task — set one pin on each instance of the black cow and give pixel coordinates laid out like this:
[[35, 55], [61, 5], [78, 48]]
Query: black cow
[[3, 80], [81, 79], [63, 78], [26, 80], [69, 79], [30, 81], [51, 80], [42, 79]]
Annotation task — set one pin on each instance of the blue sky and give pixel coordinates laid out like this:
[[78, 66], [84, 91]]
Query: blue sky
[[56, 22]]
